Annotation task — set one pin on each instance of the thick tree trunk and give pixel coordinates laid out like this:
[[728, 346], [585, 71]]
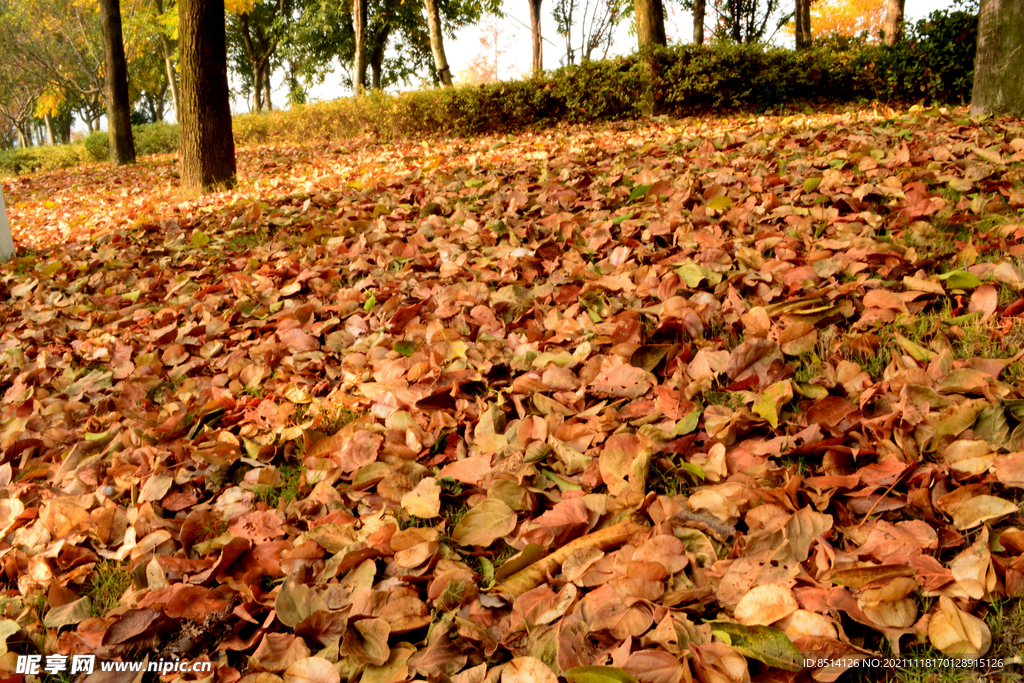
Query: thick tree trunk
[[802, 14], [893, 26], [51, 139], [650, 22], [650, 31], [359, 63], [119, 121], [437, 42], [266, 92], [998, 86], [699, 7], [207, 147], [538, 43]]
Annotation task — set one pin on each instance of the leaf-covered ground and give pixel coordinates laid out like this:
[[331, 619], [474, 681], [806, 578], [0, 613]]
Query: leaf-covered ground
[[687, 400]]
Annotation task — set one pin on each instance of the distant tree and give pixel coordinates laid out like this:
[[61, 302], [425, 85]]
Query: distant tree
[[207, 147], [893, 27], [492, 56], [998, 87], [596, 20], [119, 109], [748, 21], [254, 30]]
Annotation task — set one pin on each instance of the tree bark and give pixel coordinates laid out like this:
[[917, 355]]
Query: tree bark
[[119, 122], [437, 42], [207, 147], [650, 23], [51, 139], [999, 61], [538, 42], [802, 14], [893, 26], [699, 7], [266, 91], [359, 63]]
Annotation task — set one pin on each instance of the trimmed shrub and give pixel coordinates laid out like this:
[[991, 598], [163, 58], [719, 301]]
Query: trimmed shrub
[[150, 138]]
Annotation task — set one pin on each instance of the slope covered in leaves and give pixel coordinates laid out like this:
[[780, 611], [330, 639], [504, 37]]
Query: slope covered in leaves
[[687, 400]]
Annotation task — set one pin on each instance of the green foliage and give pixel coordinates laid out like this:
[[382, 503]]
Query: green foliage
[[935, 61]]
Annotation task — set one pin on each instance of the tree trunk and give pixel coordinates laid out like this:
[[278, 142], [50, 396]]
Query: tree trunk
[[159, 104], [172, 78], [998, 87], [257, 87], [698, 21], [380, 44], [802, 14], [64, 127], [650, 31], [359, 63], [807, 23], [538, 43], [893, 26], [437, 42], [266, 92], [650, 23], [207, 147], [119, 108], [51, 139]]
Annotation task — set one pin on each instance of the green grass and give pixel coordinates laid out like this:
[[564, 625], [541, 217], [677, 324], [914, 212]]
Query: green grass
[[287, 491], [109, 581]]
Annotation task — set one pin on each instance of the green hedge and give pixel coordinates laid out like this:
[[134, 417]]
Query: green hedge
[[934, 63]]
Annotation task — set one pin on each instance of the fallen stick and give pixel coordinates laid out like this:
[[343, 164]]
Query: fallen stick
[[532, 576]]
